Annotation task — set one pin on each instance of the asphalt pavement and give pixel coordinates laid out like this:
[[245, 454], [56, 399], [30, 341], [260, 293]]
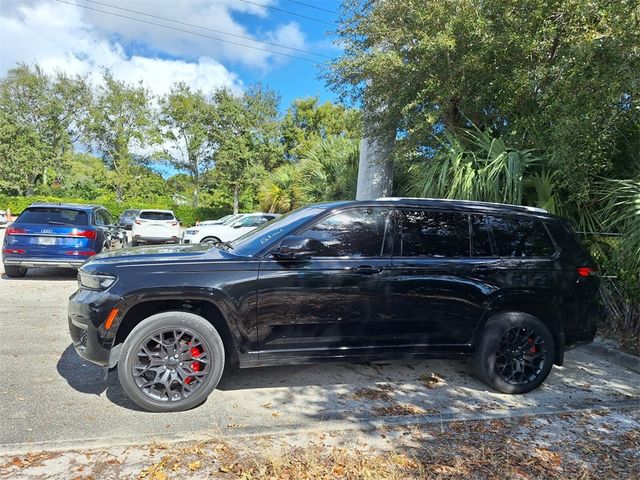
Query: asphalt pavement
[[52, 399]]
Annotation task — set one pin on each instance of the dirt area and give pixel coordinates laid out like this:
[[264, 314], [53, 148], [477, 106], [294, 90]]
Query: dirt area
[[596, 444]]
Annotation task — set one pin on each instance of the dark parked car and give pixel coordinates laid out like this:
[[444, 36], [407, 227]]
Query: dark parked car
[[58, 235], [128, 217], [509, 286]]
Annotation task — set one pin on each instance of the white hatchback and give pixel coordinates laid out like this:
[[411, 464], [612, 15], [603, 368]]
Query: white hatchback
[[226, 232], [155, 226]]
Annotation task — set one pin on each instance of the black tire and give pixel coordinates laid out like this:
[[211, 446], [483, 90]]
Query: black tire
[[498, 361], [134, 243], [211, 240], [15, 271], [167, 322]]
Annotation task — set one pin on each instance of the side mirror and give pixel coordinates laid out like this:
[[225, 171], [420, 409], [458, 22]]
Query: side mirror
[[178, 220], [296, 248], [236, 225]]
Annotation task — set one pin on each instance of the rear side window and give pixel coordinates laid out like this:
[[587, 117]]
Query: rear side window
[[53, 216], [360, 232], [156, 216], [480, 239], [566, 240], [521, 237], [425, 233]]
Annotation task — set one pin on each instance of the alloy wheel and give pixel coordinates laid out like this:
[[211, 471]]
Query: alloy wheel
[[520, 356], [171, 365]]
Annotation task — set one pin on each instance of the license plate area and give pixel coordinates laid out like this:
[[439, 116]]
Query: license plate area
[[46, 240]]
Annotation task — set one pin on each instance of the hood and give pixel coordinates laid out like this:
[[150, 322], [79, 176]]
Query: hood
[[157, 253]]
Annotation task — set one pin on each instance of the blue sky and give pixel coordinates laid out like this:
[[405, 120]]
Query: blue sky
[[74, 37]]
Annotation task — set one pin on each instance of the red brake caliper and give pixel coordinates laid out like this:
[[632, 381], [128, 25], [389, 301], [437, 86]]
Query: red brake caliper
[[195, 366], [533, 347]]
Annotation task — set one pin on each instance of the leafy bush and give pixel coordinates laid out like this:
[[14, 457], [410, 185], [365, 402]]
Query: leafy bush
[[187, 214]]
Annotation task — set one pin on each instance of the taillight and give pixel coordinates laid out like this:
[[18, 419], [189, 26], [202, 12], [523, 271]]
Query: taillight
[[90, 234], [15, 231], [587, 271], [138, 222], [87, 253], [13, 251], [173, 224]]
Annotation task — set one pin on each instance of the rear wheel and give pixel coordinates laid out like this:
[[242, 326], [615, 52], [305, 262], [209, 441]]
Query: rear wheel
[[15, 271], [515, 353], [171, 362], [210, 240], [134, 243]]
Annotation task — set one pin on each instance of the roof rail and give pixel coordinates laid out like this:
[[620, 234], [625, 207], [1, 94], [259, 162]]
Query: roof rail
[[469, 202]]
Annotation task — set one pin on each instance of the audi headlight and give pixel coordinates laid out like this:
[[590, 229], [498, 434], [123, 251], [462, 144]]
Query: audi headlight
[[95, 282]]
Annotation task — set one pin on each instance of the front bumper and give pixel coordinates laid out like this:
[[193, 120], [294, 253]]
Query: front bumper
[[44, 261], [87, 312]]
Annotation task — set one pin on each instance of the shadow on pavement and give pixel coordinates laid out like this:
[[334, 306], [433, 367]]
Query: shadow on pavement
[[85, 377], [46, 273]]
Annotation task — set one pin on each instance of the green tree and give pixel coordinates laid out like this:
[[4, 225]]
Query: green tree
[[185, 119], [329, 170], [120, 120], [246, 132], [41, 117], [306, 122], [560, 76]]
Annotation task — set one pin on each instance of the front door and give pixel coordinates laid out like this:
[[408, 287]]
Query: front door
[[334, 303]]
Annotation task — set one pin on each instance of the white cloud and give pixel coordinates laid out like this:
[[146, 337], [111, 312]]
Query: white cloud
[[66, 38]]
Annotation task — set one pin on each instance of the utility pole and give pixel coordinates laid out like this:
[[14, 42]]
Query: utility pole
[[375, 168]]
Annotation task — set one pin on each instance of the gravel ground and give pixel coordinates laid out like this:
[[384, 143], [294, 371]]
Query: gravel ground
[[52, 400]]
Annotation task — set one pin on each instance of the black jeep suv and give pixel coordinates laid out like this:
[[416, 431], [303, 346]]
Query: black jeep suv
[[392, 278]]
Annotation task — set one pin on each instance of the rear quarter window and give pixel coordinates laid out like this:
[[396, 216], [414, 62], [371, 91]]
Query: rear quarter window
[[521, 237], [53, 216]]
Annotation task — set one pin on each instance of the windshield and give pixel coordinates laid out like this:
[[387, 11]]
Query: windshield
[[53, 216], [251, 243], [229, 219]]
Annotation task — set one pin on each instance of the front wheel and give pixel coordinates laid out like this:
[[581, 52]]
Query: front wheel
[[15, 271], [515, 353], [171, 362]]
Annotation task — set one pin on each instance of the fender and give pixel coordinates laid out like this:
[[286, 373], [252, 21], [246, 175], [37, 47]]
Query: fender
[[541, 303]]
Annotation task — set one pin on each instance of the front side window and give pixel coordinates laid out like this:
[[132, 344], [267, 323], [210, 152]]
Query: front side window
[[359, 232], [426, 233], [521, 237]]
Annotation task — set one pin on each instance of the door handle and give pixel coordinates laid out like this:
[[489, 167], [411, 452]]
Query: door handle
[[366, 270]]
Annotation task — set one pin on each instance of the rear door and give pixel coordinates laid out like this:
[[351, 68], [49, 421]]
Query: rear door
[[443, 276], [48, 232]]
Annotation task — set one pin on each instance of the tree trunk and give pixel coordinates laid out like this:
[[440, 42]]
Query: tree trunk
[[236, 198]]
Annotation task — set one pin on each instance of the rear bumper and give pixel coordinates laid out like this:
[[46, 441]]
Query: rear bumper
[[142, 239], [23, 261]]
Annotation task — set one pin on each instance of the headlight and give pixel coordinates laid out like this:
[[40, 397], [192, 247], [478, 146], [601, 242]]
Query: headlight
[[95, 282], [191, 232]]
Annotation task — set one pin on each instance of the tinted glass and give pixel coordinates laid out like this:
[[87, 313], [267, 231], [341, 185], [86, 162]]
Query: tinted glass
[[100, 219], [425, 233], [251, 221], [521, 237], [270, 233], [361, 232], [480, 242], [53, 216], [157, 216]]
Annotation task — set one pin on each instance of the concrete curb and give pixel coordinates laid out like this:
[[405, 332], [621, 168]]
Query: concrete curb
[[614, 356], [363, 424]]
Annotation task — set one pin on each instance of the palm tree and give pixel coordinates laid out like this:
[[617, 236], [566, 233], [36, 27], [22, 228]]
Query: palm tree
[[329, 170], [281, 190]]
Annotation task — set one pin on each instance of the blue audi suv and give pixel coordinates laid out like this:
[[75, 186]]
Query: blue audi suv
[[58, 235]]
